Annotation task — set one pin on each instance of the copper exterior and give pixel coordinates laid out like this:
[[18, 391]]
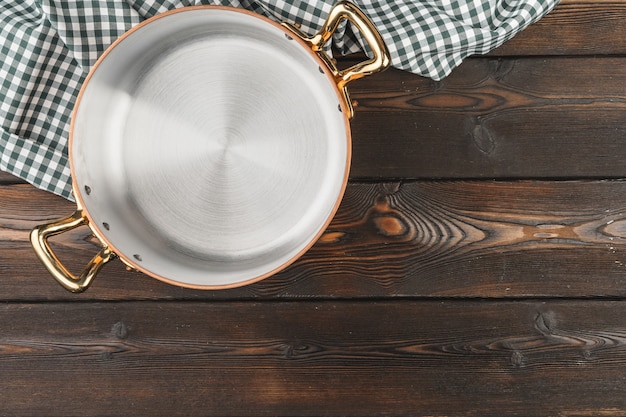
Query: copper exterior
[[337, 79]]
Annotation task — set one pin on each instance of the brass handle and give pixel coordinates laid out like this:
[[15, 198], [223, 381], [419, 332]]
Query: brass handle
[[379, 61], [39, 239]]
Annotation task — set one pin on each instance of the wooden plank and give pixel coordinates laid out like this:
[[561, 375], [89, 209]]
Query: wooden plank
[[574, 27], [413, 239], [6, 178], [494, 118], [318, 358]]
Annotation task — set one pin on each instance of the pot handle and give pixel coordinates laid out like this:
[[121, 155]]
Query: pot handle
[[39, 239], [379, 61]]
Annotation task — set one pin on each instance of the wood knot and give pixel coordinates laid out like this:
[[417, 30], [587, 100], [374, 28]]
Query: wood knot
[[331, 237], [120, 330], [388, 221], [296, 350], [518, 359], [499, 68], [483, 139], [390, 225], [546, 323]]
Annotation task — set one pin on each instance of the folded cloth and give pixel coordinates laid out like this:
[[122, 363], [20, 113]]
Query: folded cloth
[[47, 47]]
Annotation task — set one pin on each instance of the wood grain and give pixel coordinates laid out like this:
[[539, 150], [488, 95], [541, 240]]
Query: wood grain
[[574, 27], [313, 358], [494, 118], [436, 290], [6, 178], [406, 239]]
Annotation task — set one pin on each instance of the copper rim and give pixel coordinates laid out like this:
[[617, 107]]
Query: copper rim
[[128, 260]]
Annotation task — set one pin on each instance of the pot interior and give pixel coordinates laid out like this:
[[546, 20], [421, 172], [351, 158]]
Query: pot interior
[[208, 148]]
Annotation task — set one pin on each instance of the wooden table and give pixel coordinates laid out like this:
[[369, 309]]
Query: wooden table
[[476, 267]]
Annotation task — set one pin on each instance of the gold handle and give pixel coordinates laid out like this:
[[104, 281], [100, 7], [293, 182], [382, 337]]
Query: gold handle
[[379, 61], [39, 239]]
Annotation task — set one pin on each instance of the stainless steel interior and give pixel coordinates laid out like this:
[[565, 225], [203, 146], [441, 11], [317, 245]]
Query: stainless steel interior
[[210, 149]]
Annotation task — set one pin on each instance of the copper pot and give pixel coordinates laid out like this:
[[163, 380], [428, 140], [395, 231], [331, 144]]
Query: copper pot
[[210, 147]]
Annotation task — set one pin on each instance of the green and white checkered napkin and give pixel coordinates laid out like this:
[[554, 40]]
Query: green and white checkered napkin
[[48, 46]]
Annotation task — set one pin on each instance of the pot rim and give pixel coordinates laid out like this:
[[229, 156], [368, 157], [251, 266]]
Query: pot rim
[[129, 260]]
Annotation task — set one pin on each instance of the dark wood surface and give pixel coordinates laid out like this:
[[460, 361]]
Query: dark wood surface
[[476, 266]]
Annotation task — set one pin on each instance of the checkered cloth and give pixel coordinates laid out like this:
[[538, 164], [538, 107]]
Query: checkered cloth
[[48, 46]]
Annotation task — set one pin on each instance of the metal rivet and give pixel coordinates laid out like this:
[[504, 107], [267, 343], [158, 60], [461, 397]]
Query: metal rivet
[[339, 107], [106, 225], [138, 257], [321, 70], [288, 37], [87, 189]]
